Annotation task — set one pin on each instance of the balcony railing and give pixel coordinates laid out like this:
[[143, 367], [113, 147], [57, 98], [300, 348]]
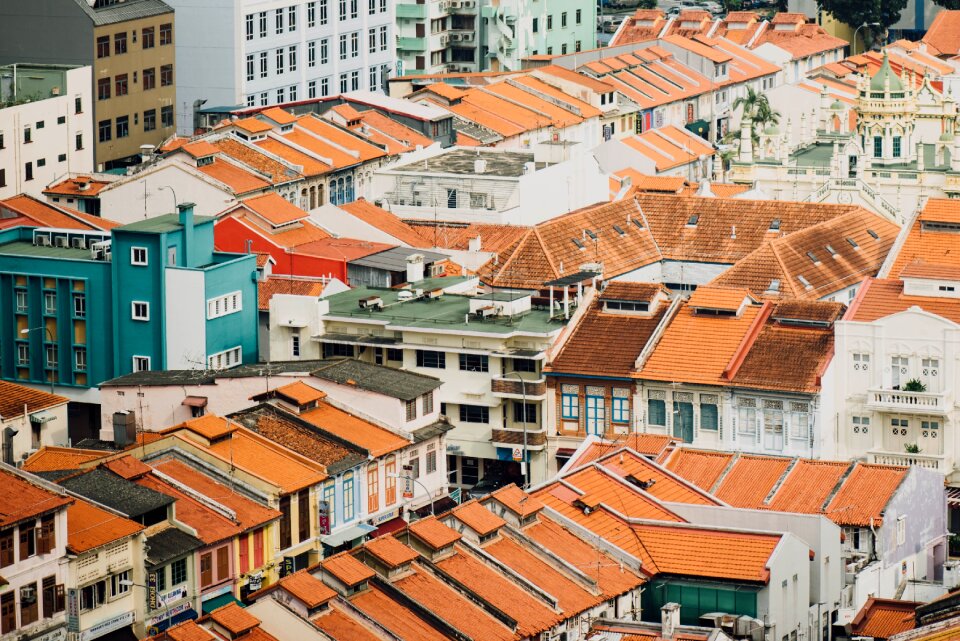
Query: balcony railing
[[909, 402], [411, 11], [512, 387], [930, 462], [411, 44]]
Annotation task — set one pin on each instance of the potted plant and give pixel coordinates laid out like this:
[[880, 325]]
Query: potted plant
[[915, 385], [912, 448]]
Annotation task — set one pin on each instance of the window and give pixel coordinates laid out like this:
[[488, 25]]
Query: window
[[54, 597], [524, 412], [861, 362], [312, 54], [166, 76], [141, 363], [354, 44], [329, 496], [292, 59], [474, 414], [166, 116], [23, 354], [250, 70], [435, 360], [325, 51], [138, 255], [343, 83], [93, 595], [123, 126], [861, 424], [295, 345], [312, 89], [150, 120], [224, 305], [79, 145], [383, 38], [570, 402], [536, 25], [178, 572], [166, 34], [286, 523], [279, 21], [579, 17], [150, 78], [225, 359], [119, 584], [263, 99], [292, 18], [103, 88], [120, 43], [373, 488], [877, 146], [21, 299], [258, 548], [331, 350], [52, 356], [563, 20], [29, 610], [620, 405], [41, 162], [263, 64], [372, 7], [206, 569], [431, 461], [140, 310], [596, 411], [80, 359], [50, 303], [77, 107], [474, 363], [372, 40], [148, 43], [413, 465], [410, 409], [799, 417], [103, 47], [577, 44], [323, 11], [563, 48], [311, 14], [549, 22], [303, 515], [656, 411], [348, 497], [249, 26], [28, 171], [747, 416], [372, 79], [28, 542], [383, 6], [354, 9], [709, 412], [901, 529], [426, 403], [896, 146], [899, 370], [390, 481]]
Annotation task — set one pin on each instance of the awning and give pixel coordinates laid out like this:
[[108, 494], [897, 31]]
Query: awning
[[219, 601], [348, 534], [387, 527], [123, 634], [43, 416], [195, 401], [699, 127], [565, 452], [572, 279]]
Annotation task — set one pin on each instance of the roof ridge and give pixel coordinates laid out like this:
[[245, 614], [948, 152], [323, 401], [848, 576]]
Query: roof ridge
[[774, 246], [546, 252], [780, 481], [861, 295], [838, 486], [726, 471], [747, 342]]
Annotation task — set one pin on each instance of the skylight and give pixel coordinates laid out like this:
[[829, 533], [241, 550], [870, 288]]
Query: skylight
[[804, 282], [853, 243], [833, 252], [592, 235], [578, 243], [873, 234], [637, 222], [813, 257], [619, 230], [774, 225], [692, 221]]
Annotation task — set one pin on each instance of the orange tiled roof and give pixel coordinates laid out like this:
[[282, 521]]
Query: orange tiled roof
[[883, 618], [186, 631], [275, 208], [389, 551], [864, 495], [72, 187], [234, 618], [667, 487], [399, 620], [879, 298], [340, 137], [307, 588], [493, 237], [50, 459], [39, 213], [434, 533], [926, 270], [723, 298], [593, 486], [127, 467], [477, 518], [669, 147], [340, 625], [944, 33], [251, 156], [312, 166], [929, 245], [279, 115], [385, 130], [252, 125], [21, 499], [300, 393], [249, 513], [703, 468], [347, 569], [385, 221], [807, 486], [516, 500], [211, 525], [593, 84], [209, 426], [647, 444], [90, 527], [750, 480], [266, 289], [239, 180], [807, 40], [354, 429], [199, 149]]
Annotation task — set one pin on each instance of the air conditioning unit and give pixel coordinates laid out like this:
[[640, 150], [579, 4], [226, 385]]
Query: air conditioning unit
[[469, 4], [454, 4], [78, 243], [28, 594], [62, 241], [444, 39], [456, 36]]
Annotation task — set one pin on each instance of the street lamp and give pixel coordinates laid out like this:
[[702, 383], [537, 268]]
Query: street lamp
[[129, 584], [52, 340], [525, 465], [865, 24], [410, 478]]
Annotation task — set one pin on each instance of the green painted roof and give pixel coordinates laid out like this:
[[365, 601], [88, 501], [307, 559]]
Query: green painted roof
[[24, 248], [447, 313], [877, 83], [162, 224]]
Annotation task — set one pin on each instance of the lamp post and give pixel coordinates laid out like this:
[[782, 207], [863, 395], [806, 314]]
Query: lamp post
[[855, 31], [166, 614], [174, 195], [52, 340], [425, 490], [525, 465]]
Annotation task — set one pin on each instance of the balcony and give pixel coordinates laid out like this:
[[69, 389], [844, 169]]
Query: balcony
[[411, 44], [411, 11], [930, 403], [536, 439], [928, 461], [510, 387]]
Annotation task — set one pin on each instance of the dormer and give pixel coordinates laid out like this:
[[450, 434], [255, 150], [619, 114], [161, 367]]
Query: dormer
[[739, 20], [202, 152], [514, 506], [432, 539], [475, 522], [207, 429], [813, 314], [345, 116], [719, 301], [250, 129], [788, 21], [640, 299], [388, 556], [296, 397], [346, 574], [232, 621], [304, 593], [925, 279], [279, 119]]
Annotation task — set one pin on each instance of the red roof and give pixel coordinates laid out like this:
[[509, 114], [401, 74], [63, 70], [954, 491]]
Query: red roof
[[90, 527], [883, 618]]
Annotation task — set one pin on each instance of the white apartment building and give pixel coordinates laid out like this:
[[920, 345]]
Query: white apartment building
[[46, 126], [266, 52]]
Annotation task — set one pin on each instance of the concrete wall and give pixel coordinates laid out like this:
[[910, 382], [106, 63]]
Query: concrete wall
[[186, 326], [64, 29], [52, 432], [560, 188]]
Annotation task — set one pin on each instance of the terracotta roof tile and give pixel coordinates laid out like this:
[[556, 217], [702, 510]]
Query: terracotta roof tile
[[593, 84], [390, 551], [788, 358], [199, 149], [212, 526], [300, 393], [880, 298], [376, 440], [50, 459], [399, 620], [516, 500], [347, 569], [882, 618], [267, 289], [928, 271], [385, 221], [234, 618], [127, 467], [701, 467], [667, 486], [669, 147], [187, 631], [312, 166], [307, 588], [944, 33], [21, 499], [808, 485], [289, 433], [340, 137], [340, 625], [239, 180], [409, 138], [275, 208], [647, 444], [279, 115], [31, 211], [807, 40], [81, 186], [252, 125], [601, 486], [477, 518], [750, 480], [434, 533], [209, 426], [928, 244], [252, 157], [864, 495], [90, 527]]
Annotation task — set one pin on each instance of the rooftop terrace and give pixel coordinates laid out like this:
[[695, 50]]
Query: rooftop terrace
[[501, 164]]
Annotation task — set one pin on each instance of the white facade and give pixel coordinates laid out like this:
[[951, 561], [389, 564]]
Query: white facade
[[37, 429], [42, 140], [267, 52]]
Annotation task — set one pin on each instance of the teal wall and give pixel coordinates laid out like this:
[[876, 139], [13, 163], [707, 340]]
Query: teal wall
[[138, 283], [236, 272], [696, 599]]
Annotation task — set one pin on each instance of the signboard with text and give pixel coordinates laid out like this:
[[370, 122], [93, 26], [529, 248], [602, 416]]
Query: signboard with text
[[407, 481], [324, 519], [73, 610]]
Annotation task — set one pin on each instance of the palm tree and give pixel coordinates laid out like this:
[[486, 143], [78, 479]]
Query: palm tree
[[757, 109], [748, 102]]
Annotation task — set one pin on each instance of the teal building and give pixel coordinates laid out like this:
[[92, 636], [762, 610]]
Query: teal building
[[80, 307]]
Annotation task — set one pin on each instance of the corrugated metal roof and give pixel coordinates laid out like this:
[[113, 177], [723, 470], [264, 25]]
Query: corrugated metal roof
[[124, 11], [395, 259]]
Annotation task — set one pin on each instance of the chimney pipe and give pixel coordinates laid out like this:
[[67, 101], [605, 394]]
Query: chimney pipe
[[669, 620], [186, 221]]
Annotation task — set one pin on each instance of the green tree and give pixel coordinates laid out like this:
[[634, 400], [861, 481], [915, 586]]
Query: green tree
[[858, 12], [647, 4], [756, 109], [948, 4]]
